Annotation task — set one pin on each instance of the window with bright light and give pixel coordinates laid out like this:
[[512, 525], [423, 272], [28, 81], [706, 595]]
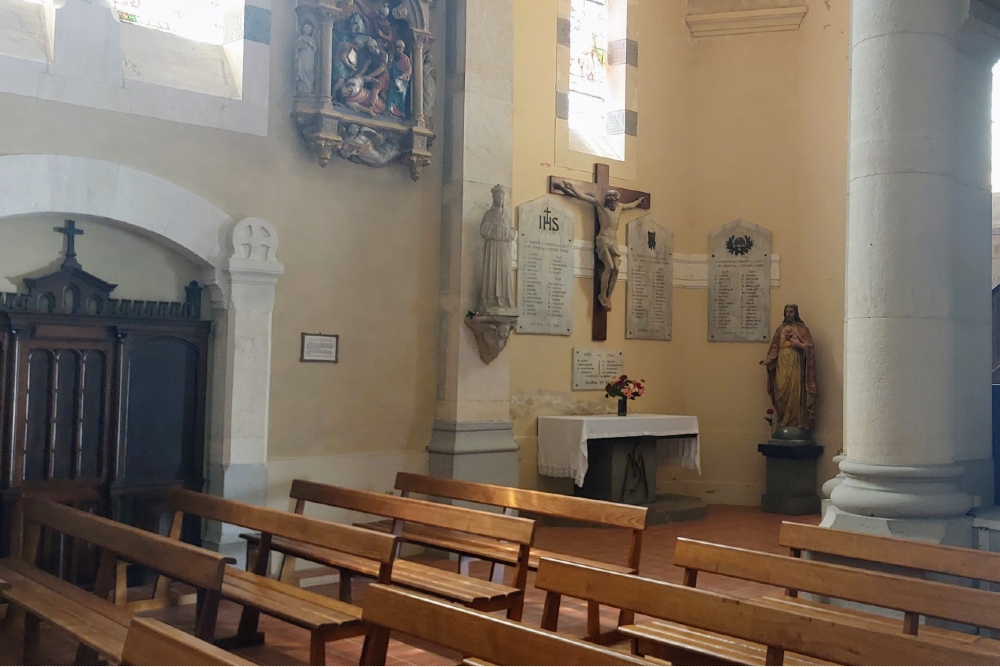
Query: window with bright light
[[592, 98], [197, 20]]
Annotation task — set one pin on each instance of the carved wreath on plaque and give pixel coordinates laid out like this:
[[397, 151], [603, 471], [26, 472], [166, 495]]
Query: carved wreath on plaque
[[365, 81]]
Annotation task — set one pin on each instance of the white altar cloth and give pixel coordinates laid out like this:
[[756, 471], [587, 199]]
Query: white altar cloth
[[562, 441]]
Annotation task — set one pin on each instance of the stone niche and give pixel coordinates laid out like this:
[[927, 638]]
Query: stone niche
[[366, 85]]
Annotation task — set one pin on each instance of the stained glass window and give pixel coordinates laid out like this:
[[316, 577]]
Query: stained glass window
[[198, 20], [588, 75]]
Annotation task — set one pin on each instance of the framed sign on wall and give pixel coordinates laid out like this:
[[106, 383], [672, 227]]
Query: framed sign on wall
[[320, 348]]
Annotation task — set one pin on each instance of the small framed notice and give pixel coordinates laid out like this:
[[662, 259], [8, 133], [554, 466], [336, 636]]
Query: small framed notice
[[320, 347]]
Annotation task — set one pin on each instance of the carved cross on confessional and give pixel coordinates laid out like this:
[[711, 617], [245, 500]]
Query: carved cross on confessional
[[598, 190], [70, 232]]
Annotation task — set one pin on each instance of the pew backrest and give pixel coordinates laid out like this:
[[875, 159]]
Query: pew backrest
[[475, 522], [479, 635], [348, 539], [743, 619], [598, 512], [907, 594], [192, 565], [913, 554], [152, 642]]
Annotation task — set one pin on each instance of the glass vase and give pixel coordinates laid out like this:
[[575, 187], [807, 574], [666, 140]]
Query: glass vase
[[622, 407]]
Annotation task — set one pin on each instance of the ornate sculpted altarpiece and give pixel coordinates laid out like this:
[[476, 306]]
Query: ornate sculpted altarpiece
[[365, 82]]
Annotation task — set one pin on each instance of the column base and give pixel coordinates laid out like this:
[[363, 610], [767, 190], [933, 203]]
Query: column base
[[474, 451], [245, 482], [901, 492], [831, 484]]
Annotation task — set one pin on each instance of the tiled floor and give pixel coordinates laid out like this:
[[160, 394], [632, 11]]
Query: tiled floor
[[738, 526]]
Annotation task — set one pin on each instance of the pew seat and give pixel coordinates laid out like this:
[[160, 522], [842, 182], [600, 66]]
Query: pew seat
[[406, 514], [80, 615], [721, 647], [477, 593], [485, 548]]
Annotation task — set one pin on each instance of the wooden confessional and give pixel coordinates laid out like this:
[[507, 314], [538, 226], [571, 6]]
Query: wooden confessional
[[98, 393]]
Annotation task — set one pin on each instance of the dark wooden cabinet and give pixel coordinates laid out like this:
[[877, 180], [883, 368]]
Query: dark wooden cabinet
[[97, 392]]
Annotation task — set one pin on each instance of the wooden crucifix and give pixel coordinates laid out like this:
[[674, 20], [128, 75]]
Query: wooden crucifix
[[608, 204]]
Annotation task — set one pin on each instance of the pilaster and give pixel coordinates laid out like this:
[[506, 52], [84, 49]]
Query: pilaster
[[241, 377], [473, 437]]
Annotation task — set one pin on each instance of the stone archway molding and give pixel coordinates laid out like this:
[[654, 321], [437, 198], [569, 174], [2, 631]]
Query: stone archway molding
[[240, 269]]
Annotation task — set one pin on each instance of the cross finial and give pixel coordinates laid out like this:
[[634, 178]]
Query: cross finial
[[70, 232]]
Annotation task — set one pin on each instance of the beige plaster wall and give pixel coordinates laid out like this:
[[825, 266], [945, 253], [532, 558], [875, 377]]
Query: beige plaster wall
[[359, 245], [142, 268], [750, 126]]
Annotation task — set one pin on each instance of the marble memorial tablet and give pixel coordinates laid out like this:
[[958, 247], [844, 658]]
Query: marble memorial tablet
[[650, 290], [592, 369], [545, 267], [739, 283]]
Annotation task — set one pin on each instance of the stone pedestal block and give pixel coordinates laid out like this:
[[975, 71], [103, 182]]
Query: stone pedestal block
[[621, 470], [474, 452], [791, 479]]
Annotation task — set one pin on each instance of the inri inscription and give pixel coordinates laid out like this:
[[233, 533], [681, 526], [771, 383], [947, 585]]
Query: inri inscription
[[739, 283], [649, 296], [545, 267]]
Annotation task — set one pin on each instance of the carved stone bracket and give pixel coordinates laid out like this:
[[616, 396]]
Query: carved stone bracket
[[492, 333], [366, 84]]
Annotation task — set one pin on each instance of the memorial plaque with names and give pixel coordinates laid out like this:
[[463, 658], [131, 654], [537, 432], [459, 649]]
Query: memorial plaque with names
[[592, 369], [545, 267], [650, 290], [739, 283]]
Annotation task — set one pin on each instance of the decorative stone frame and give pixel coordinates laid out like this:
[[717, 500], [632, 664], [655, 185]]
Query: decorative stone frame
[[239, 268], [623, 54]]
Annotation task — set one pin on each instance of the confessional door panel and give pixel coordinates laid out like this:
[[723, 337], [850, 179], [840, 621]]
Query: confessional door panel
[[62, 408], [160, 412]]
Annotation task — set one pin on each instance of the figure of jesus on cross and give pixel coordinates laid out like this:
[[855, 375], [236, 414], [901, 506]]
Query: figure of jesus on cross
[[608, 206]]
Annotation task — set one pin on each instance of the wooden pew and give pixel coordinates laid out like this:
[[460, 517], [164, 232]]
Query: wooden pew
[[407, 514], [913, 597], [487, 638], [910, 554], [325, 618], [512, 501], [151, 642], [699, 627], [90, 619]]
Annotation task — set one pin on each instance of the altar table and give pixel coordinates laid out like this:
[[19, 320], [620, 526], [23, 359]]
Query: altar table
[[564, 442]]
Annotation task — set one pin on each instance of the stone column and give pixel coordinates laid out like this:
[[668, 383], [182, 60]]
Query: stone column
[[325, 72], [473, 436], [915, 401], [241, 376]]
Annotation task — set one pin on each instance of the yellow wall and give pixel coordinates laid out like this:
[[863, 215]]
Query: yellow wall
[[360, 248], [750, 126]]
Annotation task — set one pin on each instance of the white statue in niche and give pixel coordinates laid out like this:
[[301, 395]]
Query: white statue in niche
[[430, 84], [305, 60], [497, 295]]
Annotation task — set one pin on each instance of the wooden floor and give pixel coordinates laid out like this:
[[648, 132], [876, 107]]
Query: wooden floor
[[737, 526]]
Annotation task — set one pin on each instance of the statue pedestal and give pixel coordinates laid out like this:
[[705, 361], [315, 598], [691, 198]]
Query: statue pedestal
[[791, 478]]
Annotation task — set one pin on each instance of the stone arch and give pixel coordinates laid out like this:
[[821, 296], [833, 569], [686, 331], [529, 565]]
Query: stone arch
[[174, 215], [240, 268]]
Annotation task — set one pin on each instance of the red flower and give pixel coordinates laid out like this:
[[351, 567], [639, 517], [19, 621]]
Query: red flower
[[624, 377], [770, 411]]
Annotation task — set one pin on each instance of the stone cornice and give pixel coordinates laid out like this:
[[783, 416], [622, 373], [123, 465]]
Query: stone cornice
[[745, 22]]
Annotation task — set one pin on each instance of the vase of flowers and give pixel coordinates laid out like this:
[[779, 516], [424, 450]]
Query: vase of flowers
[[624, 390]]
